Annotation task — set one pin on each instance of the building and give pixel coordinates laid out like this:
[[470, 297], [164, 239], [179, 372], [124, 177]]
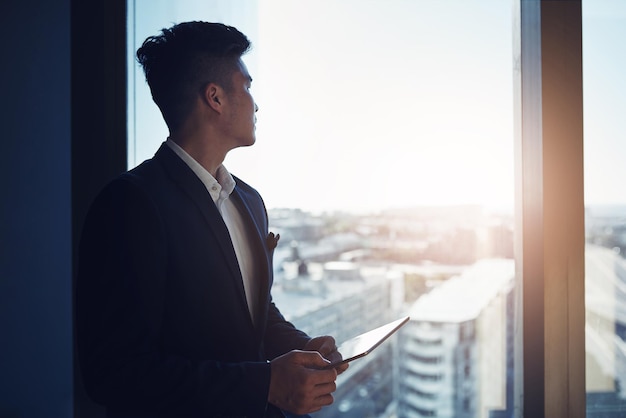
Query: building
[[455, 352], [605, 331], [344, 299]]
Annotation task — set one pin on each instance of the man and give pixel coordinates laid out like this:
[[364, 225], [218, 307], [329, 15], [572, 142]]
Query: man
[[174, 312]]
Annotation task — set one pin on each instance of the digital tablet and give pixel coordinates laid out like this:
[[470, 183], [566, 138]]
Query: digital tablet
[[363, 344]]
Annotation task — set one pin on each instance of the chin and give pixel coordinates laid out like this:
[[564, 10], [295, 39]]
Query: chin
[[249, 142]]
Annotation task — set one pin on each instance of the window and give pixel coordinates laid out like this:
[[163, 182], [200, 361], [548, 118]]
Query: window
[[390, 128], [604, 30]]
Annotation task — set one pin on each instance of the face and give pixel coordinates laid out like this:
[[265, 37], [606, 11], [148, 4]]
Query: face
[[240, 118]]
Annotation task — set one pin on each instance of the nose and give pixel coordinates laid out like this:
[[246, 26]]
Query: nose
[[256, 107]]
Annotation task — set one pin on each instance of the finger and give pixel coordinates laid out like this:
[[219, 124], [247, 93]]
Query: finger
[[328, 346], [322, 401], [324, 389], [311, 359], [324, 344], [342, 368], [334, 356], [319, 378], [311, 399]]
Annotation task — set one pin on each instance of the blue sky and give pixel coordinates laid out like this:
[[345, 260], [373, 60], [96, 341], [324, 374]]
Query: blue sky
[[369, 104]]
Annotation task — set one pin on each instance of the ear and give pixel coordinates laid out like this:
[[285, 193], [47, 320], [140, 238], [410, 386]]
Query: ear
[[213, 96]]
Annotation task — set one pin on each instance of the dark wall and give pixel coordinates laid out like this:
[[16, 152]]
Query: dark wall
[[63, 129], [98, 121], [35, 237]]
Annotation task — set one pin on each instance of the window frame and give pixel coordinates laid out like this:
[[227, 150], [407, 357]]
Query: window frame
[[550, 236], [549, 219]]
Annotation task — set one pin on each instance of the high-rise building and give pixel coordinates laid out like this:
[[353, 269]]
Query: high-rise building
[[454, 354]]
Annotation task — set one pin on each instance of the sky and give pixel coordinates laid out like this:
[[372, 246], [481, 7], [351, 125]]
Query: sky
[[604, 103], [372, 104]]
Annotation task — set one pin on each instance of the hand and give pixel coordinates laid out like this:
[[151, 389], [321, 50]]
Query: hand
[[325, 345], [297, 383]]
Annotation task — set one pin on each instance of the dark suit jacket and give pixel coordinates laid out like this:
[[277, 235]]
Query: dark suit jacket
[[163, 327]]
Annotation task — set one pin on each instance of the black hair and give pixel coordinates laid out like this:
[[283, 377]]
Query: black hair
[[180, 61]]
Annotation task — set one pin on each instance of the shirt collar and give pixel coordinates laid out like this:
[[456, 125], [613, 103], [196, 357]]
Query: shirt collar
[[218, 188]]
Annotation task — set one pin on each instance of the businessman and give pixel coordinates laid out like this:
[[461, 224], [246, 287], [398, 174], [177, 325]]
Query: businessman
[[174, 313]]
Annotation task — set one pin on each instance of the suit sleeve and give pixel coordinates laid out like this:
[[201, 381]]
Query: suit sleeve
[[281, 335], [121, 284]]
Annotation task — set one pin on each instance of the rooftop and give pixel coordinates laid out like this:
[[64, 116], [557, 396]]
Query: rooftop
[[463, 297]]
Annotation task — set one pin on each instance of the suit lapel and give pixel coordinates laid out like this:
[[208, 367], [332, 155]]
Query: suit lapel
[[187, 180]]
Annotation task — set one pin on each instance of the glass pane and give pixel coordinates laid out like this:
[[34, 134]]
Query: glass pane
[[146, 128], [604, 60], [385, 157]]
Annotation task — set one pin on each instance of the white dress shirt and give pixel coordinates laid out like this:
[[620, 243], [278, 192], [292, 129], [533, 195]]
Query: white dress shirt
[[220, 190]]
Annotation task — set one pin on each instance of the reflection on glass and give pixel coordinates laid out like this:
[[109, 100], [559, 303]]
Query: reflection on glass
[[385, 156], [604, 32]]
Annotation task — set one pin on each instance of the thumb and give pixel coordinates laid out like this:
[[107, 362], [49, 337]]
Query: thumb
[[313, 360]]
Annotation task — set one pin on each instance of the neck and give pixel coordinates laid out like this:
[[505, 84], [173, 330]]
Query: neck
[[202, 149]]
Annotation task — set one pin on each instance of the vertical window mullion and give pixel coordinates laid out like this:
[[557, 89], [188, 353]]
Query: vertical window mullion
[[549, 196]]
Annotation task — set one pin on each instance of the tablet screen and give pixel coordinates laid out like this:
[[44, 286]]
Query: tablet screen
[[363, 344]]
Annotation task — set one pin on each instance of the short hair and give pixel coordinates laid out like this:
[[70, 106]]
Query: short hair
[[180, 61]]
